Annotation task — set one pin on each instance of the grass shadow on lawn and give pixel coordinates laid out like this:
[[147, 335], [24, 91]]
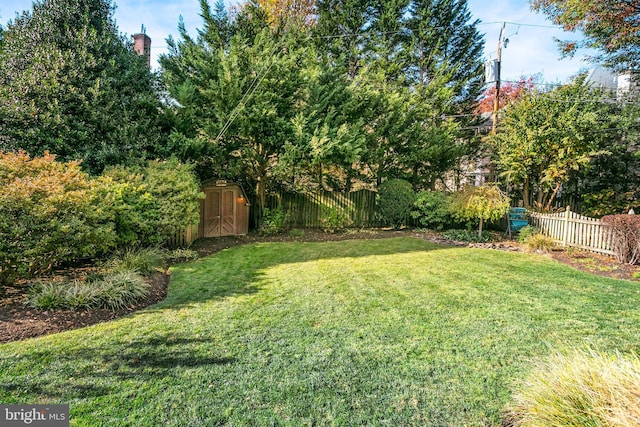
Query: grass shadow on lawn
[[92, 371]]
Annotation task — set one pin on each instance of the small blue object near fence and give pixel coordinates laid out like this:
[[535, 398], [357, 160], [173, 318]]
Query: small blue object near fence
[[518, 219]]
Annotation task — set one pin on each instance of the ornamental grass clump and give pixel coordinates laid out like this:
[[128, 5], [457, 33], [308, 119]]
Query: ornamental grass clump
[[181, 255], [45, 296], [144, 261], [113, 291], [121, 290], [539, 243], [582, 388]]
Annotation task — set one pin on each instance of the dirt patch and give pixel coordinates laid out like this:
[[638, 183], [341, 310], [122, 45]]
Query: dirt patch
[[602, 265], [18, 322]]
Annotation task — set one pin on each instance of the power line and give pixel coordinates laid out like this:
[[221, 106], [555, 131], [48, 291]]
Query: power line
[[520, 24], [248, 93]]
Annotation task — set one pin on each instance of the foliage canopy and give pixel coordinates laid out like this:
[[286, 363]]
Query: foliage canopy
[[71, 85], [545, 136]]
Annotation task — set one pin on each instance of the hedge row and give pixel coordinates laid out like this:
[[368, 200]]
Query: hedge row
[[53, 213]]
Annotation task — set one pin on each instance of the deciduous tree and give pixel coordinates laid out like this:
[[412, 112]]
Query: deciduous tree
[[509, 92], [544, 136], [483, 203], [282, 13]]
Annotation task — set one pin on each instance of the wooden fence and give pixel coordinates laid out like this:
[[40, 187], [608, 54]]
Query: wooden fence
[[572, 229], [306, 210], [184, 239]]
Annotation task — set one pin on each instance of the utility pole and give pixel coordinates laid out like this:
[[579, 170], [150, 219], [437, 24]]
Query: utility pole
[[496, 101]]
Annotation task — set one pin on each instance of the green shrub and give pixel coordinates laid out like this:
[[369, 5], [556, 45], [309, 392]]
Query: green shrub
[[583, 388], [274, 221], [134, 208], [177, 191], [468, 236], [52, 213], [152, 204], [334, 219], [608, 202], [431, 209], [395, 200], [626, 236], [526, 232], [140, 260]]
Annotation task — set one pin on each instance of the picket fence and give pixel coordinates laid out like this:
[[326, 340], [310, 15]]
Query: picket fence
[[572, 229]]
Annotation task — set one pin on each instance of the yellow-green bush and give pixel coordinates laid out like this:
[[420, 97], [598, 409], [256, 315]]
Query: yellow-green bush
[[53, 213], [581, 388], [50, 213]]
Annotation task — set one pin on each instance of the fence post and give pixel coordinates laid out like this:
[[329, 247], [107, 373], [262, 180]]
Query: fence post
[[566, 226]]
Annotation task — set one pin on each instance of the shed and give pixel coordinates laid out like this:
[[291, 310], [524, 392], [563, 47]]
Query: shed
[[224, 210]]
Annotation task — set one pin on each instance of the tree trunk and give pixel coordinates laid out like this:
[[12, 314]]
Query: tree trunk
[[526, 196], [261, 194], [553, 196], [540, 198], [480, 230], [320, 177]]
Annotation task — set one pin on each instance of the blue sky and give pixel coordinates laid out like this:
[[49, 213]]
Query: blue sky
[[531, 48]]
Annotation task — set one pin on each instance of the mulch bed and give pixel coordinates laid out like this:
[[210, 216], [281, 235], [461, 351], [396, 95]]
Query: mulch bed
[[18, 321]]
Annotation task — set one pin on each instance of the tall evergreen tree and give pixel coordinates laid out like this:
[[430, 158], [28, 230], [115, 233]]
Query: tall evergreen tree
[[71, 84], [245, 101], [413, 64], [443, 39]]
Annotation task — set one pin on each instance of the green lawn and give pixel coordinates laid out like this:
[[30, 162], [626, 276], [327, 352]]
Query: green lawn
[[379, 332]]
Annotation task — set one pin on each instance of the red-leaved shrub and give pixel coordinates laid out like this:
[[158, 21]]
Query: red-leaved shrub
[[626, 236]]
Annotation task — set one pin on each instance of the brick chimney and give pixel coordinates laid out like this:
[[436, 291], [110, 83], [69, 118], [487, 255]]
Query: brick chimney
[[142, 45]]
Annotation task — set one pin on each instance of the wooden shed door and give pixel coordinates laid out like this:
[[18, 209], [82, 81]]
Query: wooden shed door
[[219, 212], [228, 213]]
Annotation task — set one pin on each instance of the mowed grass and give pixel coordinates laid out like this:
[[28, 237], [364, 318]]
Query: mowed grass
[[380, 332]]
